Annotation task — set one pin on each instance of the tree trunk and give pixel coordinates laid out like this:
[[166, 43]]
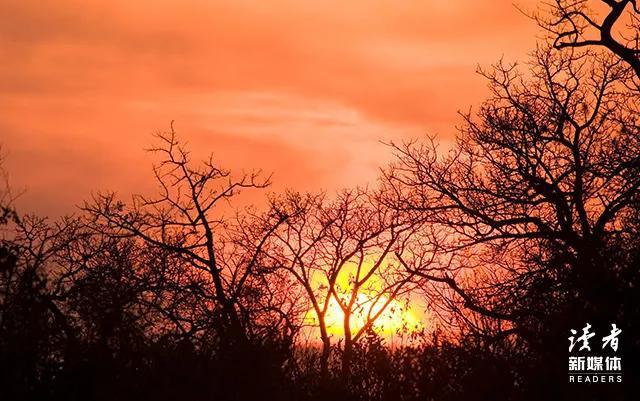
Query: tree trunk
[[326, 349], [347, 354]]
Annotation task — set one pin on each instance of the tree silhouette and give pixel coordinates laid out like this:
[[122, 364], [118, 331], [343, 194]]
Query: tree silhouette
[[342, 251], [181, 220], [221, 293], [574, 24], [532, 197]]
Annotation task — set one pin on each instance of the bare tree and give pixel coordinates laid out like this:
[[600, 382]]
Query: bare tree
[[342, 251], [35, 244], [185, 219], [577, 24], [534, 189]]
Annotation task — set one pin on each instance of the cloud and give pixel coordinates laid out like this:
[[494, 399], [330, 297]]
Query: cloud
[[314, 83]]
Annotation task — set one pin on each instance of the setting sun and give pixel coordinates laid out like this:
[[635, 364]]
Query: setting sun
[[397, 318]]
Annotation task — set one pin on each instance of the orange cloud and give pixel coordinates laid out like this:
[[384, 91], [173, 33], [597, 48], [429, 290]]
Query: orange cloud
[[304, 89]]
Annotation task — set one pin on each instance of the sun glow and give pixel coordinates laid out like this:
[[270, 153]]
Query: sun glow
[[389, 318], [397, 318]]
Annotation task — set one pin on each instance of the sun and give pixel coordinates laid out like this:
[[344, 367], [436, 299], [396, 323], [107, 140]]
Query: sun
[[398, 317]]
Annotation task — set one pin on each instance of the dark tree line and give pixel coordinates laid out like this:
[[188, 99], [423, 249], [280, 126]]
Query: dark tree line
[[527, 227]]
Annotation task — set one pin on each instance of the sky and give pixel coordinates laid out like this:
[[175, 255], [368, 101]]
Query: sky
[[306, 90]]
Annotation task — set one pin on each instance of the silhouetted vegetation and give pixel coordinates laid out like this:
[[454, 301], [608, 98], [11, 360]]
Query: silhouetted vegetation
[[529, 226]]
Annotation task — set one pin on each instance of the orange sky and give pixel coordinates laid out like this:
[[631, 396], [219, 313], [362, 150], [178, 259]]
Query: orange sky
[[305, 90]]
